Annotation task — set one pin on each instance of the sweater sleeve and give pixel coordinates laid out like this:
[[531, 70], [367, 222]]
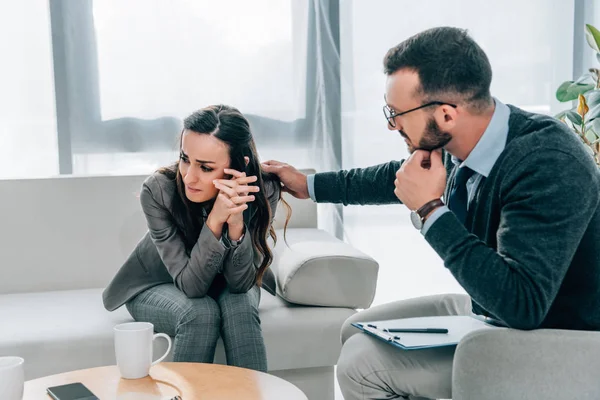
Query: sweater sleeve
[[547, 201], [362, 186]]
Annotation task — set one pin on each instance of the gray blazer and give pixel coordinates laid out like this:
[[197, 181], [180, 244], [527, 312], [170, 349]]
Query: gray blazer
[[161, 255]]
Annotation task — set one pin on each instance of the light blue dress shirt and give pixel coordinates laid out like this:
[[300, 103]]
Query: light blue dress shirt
[[310, 181], [481, 159]]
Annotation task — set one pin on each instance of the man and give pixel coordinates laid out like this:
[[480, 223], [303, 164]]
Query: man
[[518, 227]]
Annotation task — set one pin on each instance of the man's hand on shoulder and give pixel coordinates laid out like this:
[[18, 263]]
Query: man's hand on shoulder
[[294, 182]]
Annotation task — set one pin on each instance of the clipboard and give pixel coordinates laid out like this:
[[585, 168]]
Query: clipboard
[[458, 326]]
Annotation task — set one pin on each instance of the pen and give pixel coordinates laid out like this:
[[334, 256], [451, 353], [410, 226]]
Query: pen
[[417, 330]]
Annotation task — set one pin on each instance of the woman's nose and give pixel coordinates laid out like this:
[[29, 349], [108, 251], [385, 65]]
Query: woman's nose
[[190, 177]]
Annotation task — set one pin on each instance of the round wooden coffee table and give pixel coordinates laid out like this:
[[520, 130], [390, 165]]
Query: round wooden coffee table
[[191, 381]]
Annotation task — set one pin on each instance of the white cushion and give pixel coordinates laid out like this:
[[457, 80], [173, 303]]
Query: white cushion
[[66, 330], [304, 212], [315, 268]]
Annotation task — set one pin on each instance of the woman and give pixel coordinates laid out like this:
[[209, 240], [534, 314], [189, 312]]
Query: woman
[[196, 273]]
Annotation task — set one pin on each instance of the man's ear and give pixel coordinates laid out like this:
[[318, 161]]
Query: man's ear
[[247, 160], [448, 116]]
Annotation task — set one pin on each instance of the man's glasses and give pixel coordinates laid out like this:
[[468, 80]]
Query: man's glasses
[[390, 114]]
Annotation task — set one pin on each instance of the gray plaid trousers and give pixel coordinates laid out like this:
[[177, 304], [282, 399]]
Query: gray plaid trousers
[[197, 323]]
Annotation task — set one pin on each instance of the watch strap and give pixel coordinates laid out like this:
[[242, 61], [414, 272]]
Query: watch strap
[[429, 207]]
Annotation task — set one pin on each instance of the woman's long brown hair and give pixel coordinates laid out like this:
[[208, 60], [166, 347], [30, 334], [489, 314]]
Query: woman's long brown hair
[[230, 126]]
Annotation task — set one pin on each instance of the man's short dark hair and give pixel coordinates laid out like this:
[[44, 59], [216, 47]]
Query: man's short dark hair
[[449, 63]]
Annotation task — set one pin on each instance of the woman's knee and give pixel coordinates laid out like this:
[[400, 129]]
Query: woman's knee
[[200, 311], [235, 306]]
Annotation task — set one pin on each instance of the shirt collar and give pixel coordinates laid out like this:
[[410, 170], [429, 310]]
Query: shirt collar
[[491, 144]]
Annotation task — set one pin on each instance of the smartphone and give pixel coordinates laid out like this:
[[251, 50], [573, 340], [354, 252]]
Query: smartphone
[[72, 391]]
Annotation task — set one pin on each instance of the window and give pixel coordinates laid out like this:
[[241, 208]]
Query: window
[[150, 63], [159, 59]]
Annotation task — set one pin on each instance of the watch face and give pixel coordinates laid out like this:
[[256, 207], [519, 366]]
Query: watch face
[[416, 220]]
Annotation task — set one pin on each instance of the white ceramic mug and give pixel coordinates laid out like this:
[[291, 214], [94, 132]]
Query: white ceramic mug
[[133, 348], [12, 378]]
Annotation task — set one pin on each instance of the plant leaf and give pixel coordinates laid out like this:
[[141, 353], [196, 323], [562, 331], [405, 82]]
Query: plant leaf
[[592, 35], [570, 90], [594, 126], [594, 113], [592, 97], [590, 135], [587, 77], [582, 107], [561, 114], [598, 56], [574, 117]]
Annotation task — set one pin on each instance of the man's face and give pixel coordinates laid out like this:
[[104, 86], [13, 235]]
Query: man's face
[[419, 128]]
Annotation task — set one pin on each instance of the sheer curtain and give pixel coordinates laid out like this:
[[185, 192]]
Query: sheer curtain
[[530, 48], [28, 141]]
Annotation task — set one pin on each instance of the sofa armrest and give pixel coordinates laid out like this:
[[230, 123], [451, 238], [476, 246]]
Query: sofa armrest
[[318, 269], [527, 365]]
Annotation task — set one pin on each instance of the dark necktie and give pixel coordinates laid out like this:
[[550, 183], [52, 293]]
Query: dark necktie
[[459, 197]]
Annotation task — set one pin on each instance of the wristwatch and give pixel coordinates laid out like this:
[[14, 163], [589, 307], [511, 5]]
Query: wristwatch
[[417, 217]]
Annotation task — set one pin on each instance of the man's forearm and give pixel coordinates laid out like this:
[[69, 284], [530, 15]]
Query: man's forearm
[[361, 186]]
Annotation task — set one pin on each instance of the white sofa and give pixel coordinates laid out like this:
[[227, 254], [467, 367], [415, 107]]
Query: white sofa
[[62, 239]]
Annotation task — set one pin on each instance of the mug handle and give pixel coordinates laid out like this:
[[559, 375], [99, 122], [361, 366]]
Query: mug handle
[[162, 335]]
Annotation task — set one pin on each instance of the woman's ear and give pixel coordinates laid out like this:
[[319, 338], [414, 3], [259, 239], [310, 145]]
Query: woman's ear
[[247, 160]]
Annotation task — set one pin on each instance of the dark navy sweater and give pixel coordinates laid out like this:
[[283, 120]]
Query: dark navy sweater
[[529, 252]]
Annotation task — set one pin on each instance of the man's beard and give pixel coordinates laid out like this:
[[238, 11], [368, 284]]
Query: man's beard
[[433, 138]]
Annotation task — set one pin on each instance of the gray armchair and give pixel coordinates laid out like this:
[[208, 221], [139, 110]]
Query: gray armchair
[[526, 365]]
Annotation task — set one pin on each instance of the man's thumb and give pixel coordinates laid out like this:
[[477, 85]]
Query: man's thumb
[[267, 167], [436, 158]]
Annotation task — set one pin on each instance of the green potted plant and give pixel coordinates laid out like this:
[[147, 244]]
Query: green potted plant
[[584, 118]]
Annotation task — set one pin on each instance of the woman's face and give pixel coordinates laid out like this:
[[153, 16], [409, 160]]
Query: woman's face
[[203, 159]]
